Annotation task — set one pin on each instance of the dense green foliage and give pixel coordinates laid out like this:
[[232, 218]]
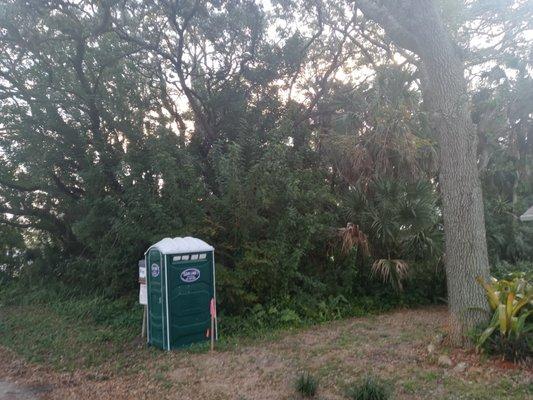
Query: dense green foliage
[[128, 122]]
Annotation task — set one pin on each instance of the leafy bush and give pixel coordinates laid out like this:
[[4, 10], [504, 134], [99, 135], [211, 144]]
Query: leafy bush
[[306, 384], [505, 269], [369, 389], [304, 309], [511, 326], [519, 350], [426, 282]]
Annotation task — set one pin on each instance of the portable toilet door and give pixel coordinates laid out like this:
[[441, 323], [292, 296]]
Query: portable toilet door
[[181, 284]]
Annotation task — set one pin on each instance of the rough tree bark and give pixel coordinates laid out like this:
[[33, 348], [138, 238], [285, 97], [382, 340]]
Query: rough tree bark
[[417, 26]]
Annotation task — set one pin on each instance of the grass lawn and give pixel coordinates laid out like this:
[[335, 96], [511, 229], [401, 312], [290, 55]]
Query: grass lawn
[[79, 361]]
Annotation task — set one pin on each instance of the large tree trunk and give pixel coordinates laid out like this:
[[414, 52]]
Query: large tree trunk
[[417, 26], [464, 225]]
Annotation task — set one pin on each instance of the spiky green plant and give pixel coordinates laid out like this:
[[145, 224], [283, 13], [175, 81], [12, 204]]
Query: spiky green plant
[[512, 304], [369, 389], [306, 385]]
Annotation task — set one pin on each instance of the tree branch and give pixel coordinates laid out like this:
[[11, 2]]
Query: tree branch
[[384, 17]]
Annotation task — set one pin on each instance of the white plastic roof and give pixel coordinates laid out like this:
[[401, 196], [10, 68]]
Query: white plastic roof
[[528, 215], [180, 245]]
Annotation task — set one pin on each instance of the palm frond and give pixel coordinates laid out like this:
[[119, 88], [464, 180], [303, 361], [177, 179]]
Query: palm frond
[[353, 237], [392, 271]]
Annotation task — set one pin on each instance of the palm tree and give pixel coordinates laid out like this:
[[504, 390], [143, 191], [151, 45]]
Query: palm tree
[[400, 223]]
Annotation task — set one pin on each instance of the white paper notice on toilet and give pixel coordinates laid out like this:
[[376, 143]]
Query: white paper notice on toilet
[[143, 295]]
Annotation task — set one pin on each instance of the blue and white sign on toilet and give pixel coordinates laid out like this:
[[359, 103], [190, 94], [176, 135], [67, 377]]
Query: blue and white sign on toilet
[[190, 275], [155, 270]]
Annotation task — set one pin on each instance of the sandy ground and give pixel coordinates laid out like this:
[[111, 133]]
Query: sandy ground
[[11, 391], [392, 346]]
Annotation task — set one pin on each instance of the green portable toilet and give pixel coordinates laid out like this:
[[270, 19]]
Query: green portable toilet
[[181, 283]]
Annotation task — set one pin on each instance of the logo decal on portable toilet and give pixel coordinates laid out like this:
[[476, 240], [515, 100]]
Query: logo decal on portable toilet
[[155, 270], [190, 275]]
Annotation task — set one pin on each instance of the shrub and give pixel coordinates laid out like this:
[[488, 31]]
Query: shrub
[[510, 329], [426, 282], [506, 270], [516, 350], [306, 384], [369, 389]]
